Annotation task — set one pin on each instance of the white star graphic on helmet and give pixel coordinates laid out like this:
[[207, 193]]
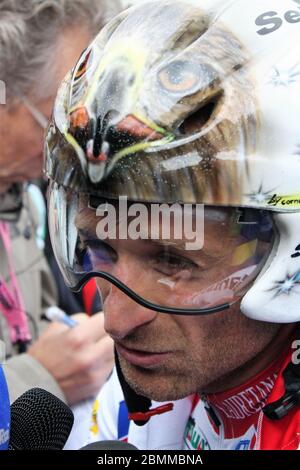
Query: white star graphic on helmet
[[287, 285], [260, 196], [285, 77]]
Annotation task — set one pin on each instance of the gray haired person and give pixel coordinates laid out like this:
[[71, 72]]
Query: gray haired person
[[40, 40]]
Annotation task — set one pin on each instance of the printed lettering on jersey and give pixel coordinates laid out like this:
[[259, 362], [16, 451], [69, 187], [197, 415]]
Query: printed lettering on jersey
[[243, 445], [248, 402], [194, 438]]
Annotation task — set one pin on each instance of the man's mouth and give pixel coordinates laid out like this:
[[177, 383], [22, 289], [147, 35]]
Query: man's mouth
[[145, 359]]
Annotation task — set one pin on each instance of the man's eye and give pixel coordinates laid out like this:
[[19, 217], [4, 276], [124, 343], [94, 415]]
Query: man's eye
[[99, 252], [170, 264]]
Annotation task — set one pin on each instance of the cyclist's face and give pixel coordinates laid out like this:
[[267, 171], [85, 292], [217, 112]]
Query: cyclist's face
[[167, 356]]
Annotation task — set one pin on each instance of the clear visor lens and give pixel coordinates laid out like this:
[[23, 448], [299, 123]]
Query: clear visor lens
[[179, 257]]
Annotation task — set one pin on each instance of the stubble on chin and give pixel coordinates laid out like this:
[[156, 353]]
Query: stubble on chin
[[157, 384]]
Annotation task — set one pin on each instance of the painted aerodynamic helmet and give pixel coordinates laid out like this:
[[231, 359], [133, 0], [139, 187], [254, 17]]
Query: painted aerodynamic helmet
[[190, 103]]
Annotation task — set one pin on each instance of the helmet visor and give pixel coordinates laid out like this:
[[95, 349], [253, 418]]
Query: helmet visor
[[180, 258]]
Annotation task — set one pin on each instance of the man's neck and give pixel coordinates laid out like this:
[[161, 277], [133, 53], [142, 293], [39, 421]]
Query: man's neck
[[255, 365]]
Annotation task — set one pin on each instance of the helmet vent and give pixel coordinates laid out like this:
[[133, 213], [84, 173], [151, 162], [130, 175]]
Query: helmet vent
[[196, 121]]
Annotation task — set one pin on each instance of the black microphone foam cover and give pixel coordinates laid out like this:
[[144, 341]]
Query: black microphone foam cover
[[109, 445], [39, 421]]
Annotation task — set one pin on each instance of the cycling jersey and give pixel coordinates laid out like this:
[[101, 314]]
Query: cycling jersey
[[229, 420]]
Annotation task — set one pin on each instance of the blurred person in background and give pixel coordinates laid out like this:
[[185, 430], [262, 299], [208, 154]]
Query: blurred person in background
[[40, 40]]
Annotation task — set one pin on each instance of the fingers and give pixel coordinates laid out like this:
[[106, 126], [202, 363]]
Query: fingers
[[80, 358], [57, 328], [96, 363], [90, 328], [90, 370], [104, 349], [99, 355], [54, 329], [85, 385], [80, 317]]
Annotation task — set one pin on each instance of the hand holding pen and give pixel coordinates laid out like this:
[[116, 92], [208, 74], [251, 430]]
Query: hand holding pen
[[77, 352]]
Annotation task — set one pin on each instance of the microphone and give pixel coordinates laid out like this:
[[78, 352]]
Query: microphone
[[109, 445], [39, 421]]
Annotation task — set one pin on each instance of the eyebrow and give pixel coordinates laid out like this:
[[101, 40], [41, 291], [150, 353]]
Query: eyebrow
[[176, 244], [156, 243], [149, 241]]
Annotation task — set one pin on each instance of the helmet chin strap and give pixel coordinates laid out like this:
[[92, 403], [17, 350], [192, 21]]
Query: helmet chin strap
[[138, 405]]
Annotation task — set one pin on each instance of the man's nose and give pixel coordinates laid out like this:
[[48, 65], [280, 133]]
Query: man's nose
[[122, 315]]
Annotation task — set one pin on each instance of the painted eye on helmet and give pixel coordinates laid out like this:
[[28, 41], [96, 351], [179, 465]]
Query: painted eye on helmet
[[179, 77]]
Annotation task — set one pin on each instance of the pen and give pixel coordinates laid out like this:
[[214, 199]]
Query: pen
[[56, 314]]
